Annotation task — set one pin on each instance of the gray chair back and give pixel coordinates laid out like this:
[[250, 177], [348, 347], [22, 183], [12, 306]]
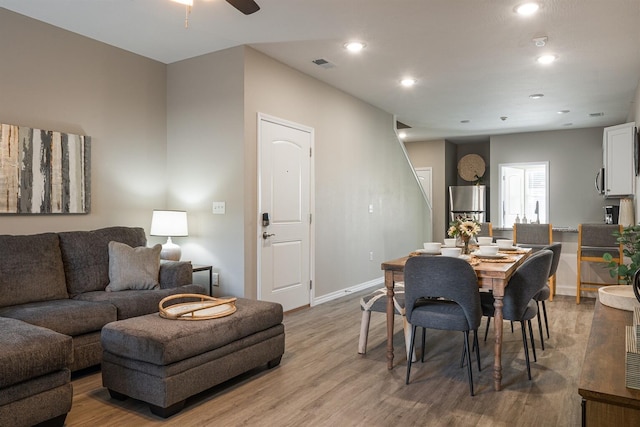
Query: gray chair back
[[533, 234], [442, 277], [529, 279], [486, 229], [556, 248]]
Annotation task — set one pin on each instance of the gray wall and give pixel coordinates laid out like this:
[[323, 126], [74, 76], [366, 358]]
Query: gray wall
[[56, 80], [358, 162], [574, 157], [213, 105], [434, 154], [205, 161]]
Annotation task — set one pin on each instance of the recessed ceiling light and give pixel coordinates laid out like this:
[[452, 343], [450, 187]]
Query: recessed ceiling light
[[527, 9], [408, 82], [563, 111], [354, 46], [402, 135], [596, 114], [568, 124], [465, 121], [536, 95], [546, 59]]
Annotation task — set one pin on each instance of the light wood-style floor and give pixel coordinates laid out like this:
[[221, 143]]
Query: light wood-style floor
[[323, 381]]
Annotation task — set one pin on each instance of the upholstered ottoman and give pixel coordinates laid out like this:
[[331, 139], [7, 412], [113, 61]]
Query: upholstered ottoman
[[35, 379], [163, 362]]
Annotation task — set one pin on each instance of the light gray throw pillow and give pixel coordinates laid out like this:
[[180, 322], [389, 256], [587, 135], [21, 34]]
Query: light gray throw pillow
[[133, 268]]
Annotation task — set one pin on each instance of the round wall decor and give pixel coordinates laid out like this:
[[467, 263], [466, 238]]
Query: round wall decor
[[471, 167]]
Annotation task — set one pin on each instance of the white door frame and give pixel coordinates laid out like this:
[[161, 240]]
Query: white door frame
[[312, 199]]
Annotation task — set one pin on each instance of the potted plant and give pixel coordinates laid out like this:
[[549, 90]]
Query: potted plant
[[630, 241]]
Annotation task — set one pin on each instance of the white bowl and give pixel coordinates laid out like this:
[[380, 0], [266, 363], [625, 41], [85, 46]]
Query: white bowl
[[432, 246], [488, 250], [482, 241], [504, 243], [450, 243], [452, 252]]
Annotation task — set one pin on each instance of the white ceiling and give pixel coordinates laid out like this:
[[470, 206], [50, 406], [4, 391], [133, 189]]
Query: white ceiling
[[474, 59]]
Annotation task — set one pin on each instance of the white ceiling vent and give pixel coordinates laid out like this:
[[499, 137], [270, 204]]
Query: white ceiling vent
[[320, 62]]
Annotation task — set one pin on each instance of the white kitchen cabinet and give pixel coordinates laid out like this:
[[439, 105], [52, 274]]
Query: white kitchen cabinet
[[618, 145]]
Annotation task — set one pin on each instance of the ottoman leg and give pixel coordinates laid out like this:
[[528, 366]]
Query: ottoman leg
[[53, 422], [274, 362], [118, 396], [168, 411]]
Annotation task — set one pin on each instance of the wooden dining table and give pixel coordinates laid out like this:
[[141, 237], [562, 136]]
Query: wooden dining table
[[492, 276]]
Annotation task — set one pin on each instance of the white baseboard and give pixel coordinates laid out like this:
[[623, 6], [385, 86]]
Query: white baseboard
[[357, 288]]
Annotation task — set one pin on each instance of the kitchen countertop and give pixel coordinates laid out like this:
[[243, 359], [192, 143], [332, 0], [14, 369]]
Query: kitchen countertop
[[559, 229]]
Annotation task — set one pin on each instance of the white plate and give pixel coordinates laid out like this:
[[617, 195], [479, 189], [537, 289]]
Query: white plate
[[490, 244], [424, 251], [510, 248], [465, 257], [497, 256]]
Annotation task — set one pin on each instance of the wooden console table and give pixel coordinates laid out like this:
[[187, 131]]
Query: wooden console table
[[606, 401]]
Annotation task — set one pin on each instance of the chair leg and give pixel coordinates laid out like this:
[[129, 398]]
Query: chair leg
[[424, 340], [406, 327], [364, 331], [540, 326], [533, 344], [413, 340], [578, 280], [526, 349], [546, 322], [475, 343], [469, 371], [486, 331]]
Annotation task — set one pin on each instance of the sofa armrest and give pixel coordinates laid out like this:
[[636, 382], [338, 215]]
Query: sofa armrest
[[175, 273]]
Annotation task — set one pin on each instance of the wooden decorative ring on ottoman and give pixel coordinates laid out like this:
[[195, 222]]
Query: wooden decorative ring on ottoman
[[163, 362]]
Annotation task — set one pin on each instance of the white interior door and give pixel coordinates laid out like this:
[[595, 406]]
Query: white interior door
[[284, 220]]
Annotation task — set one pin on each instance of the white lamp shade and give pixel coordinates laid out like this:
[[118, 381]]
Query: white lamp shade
[[169, 223]]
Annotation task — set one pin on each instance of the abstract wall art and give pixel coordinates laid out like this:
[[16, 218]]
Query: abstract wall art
[[44, 172]]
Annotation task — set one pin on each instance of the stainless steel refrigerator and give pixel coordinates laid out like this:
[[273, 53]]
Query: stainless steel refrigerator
[[469, 200]]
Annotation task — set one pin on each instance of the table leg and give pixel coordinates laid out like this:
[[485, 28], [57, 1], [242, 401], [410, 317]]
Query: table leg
[[497, 358], [388, 283]]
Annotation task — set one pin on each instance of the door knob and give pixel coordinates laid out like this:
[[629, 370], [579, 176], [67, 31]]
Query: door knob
[[265, 236]]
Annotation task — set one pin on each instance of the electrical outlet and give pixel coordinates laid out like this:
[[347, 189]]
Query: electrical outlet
[[370, 208], [219, 208], [214, 279], [371, 256]]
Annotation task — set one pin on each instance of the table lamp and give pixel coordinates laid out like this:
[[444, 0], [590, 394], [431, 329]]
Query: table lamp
[[170, 224]]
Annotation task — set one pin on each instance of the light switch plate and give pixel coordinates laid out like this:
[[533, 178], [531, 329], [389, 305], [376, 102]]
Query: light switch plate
[[219, 208]]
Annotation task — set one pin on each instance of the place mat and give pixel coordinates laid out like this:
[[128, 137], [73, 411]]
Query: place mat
[[497, 260], [472, 260], [513, 251]]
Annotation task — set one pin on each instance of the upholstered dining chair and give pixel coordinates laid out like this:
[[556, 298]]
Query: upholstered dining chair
[[594, 240], [377, 301], [545, 293], [519, 306], [535, 236], [486, 229], [442, 293]]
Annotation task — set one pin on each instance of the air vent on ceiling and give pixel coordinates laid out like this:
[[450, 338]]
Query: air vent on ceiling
[[323, 63]]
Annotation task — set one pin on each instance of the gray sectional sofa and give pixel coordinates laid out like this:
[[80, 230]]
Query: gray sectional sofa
[[54, 286]]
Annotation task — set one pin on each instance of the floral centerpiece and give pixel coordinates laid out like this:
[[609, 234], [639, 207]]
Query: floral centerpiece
[[464, 228]]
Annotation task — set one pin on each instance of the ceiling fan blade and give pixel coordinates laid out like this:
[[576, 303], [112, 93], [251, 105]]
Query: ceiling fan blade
[[245, 6]]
